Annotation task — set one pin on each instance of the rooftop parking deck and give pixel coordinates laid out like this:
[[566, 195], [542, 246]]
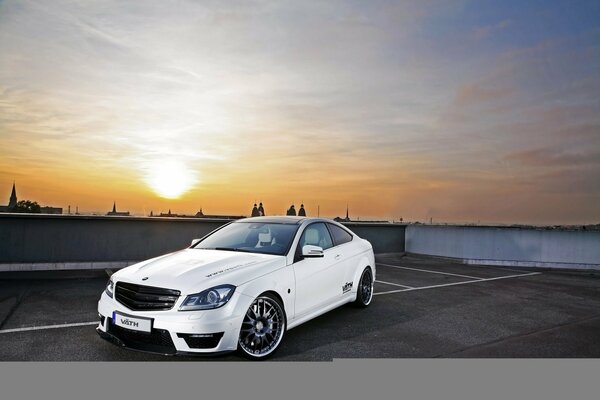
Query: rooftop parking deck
[[423, 308]]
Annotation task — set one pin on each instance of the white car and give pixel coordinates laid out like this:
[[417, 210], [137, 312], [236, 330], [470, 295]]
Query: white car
[[238, 288]]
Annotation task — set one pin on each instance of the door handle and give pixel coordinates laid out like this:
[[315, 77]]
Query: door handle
[[338, 256]]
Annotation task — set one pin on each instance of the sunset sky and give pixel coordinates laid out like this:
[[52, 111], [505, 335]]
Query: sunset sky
[[453, 110]]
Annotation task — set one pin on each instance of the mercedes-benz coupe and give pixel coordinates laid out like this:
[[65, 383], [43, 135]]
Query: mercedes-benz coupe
[[238, 288]]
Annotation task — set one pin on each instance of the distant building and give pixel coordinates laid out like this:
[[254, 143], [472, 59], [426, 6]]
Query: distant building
[[169, 214], [115, 212], [51, 210], [12, 203], [200, 214], [347, 219], [302, 211], [291, 211]]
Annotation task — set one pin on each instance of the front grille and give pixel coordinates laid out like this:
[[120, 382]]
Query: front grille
[[145, 298], [201, 341], [157, 341]]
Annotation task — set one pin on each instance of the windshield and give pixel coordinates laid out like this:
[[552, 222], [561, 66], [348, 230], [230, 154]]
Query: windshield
[[253, 237]]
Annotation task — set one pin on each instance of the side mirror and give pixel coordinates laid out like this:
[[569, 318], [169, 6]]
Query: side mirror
[[195, 242], [310, 251]]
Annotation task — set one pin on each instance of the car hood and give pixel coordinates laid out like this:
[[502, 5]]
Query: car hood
[[193, 270]]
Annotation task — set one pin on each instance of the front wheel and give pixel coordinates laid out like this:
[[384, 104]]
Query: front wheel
[[364, 293], [262, 328]]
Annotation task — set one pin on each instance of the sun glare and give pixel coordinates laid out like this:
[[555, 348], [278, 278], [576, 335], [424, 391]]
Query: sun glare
[[170, 178]]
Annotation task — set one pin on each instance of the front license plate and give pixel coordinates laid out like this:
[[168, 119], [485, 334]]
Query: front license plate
[[131, 322]]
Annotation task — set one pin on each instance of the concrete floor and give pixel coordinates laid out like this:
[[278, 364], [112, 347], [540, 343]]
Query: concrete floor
[[426, 308]]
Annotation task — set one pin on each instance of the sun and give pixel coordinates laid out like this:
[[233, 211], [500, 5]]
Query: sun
[[170, 178]]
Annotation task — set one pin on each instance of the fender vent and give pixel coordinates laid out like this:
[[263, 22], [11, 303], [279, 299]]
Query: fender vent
[[201, 341]]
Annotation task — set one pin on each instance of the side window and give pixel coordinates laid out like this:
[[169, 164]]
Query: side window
[[316, 235], [340, 236]]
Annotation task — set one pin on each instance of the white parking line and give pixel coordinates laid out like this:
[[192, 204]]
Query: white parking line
[[407, 289], [456, 283], [429, 271], [498, 268], [394, 284], [39, 328]]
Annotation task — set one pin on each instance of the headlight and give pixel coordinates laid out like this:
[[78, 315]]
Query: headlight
[[208, 299], [110, 287]]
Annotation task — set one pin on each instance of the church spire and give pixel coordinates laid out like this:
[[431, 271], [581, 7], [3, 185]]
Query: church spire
[[13, 197]]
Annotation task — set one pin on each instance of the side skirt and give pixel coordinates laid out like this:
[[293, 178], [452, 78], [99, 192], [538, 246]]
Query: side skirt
[[320, 311]]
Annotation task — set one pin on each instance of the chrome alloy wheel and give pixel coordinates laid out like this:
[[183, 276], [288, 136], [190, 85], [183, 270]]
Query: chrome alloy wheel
[[365, 288], [262, 328]]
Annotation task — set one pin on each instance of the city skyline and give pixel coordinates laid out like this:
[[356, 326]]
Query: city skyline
[[256, 210], [463, 112]]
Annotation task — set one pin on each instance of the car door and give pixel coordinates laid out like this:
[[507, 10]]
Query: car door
[[345, 254], [316, 278]]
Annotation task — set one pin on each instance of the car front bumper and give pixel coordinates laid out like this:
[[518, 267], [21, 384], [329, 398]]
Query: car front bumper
[[205, 332]]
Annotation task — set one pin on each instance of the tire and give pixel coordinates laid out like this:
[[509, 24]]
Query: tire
[[262, 328], [364, 291]]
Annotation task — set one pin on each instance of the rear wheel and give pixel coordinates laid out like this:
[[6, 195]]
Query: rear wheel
[[364, 293], [262, 328]]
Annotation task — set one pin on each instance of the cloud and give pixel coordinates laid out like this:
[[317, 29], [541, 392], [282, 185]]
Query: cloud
[[554, 158], [483, 32], [476, 94], [585, 180]]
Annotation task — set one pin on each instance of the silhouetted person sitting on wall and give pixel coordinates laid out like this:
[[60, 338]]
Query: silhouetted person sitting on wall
[[291, 211], [255, 212], [302, 211]]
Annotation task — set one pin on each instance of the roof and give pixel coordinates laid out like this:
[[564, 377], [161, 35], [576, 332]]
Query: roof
[[275, 220], [290, 220]]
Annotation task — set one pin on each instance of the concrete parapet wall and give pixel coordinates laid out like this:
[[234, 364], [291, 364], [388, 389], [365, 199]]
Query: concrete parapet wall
[[30, 242], [53, 242], [385, 238], [507, 246]]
